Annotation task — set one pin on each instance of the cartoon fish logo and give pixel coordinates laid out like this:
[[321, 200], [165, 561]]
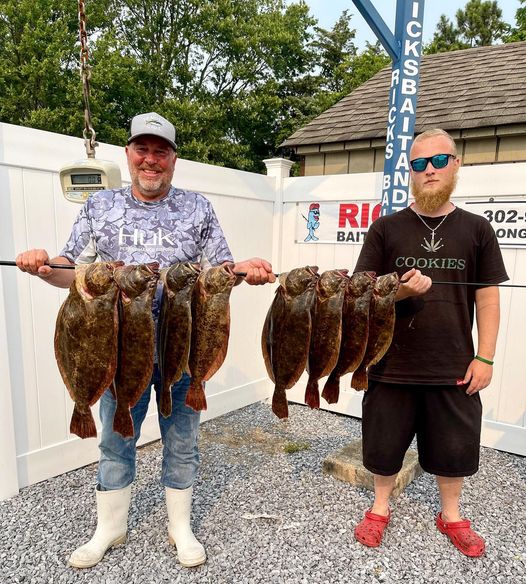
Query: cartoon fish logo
[[313, 221]]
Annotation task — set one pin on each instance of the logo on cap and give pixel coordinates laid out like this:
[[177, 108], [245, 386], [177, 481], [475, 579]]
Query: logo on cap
[[153, 122]]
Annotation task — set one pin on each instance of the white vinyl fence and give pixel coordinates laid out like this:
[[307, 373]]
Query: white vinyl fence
[[35, 407], [259, 215]]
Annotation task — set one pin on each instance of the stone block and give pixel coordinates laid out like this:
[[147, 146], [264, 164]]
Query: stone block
[[347, 465]]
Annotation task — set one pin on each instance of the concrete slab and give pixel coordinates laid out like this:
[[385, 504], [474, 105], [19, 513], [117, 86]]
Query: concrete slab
[[347, 465]]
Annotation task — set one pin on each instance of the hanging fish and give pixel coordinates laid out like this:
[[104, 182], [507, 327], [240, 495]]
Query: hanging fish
[[355, 331], [86, 340], [326, 331], [210, 329], [137, 284], [381, 326], [175, 327], [287, 331]]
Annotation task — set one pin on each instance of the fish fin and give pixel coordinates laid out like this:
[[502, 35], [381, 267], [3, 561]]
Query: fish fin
[[82, 424], [122, 421], [195, 398], [165, 404], [266, 347], [312, 394], [280, 405], [359, 379], [331, 390]]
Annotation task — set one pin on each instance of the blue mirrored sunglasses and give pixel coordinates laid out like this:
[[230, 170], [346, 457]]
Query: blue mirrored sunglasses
[[438, 161]]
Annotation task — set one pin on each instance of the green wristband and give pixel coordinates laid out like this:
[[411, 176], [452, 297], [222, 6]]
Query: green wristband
[[487, 361]]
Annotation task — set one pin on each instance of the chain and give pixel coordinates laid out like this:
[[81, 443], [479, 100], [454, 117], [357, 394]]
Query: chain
[[85, 73], [431, 246], [422, 219]]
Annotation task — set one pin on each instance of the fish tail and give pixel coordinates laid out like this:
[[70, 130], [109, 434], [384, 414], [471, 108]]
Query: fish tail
[[82, 423], [331, 390], [359, 379], [165, 405], [280, 405], [123, 422], [195, 398], [312, 394]]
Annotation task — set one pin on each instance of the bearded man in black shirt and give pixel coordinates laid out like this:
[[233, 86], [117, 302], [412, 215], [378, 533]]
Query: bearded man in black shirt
[[427, 384]]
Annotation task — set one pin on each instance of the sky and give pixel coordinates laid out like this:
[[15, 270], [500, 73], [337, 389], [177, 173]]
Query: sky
[[328, 11]]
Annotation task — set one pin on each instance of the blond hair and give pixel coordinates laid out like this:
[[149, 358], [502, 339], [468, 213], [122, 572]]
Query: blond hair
[[436, 132]]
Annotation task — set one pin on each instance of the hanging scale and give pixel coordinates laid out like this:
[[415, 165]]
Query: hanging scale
[[81, 178]]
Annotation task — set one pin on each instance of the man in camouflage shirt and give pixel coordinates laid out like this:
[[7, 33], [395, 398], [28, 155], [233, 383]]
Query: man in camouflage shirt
[[148, 221]]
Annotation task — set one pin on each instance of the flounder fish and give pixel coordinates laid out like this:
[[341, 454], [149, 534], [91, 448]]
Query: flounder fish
[[175, 327], [286, 333], [355, 331], [381, 326], [326, 331], [210, 329], [137, 284], [86, 340]]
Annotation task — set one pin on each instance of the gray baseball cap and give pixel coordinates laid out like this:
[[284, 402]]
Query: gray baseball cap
[[152, 124]]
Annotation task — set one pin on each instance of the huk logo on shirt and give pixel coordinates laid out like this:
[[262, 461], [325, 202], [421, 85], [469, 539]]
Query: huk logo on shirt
[[140, 238]]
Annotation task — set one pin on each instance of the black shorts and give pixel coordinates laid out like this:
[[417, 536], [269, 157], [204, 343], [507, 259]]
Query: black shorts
[[445, 420]]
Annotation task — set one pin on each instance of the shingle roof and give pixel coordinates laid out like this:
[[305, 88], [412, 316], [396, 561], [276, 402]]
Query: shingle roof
[[464, 89]]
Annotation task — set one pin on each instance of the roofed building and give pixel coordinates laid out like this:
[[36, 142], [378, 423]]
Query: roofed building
[[477, 95]]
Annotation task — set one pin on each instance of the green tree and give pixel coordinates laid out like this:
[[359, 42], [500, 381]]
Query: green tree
[[213, 65], [364, 65], [518, 32], [478, 24], [446, 38], [38, 63], [335, 48], [236, 76]]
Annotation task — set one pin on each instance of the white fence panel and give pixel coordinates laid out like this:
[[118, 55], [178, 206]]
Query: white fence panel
[[33, 213], [504, 422], [259, 219]]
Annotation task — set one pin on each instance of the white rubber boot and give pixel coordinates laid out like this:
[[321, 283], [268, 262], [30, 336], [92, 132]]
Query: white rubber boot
[[112, 525], [179, 504]]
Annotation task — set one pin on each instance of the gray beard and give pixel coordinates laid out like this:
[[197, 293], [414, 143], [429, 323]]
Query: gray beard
[[148, 187]]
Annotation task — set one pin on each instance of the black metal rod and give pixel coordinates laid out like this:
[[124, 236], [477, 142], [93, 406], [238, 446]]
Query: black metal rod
[[243, 274], [480, 284], [73, 266], [60, 266]]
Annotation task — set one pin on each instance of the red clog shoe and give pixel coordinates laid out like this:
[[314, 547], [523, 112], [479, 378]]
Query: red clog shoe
[[371, 529], [462, 536]]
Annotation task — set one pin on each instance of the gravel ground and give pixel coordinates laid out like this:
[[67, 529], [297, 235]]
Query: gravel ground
[[266, 513]]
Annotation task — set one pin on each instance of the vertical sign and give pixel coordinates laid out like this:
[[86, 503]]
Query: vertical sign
[[402, 105], [404, 48]]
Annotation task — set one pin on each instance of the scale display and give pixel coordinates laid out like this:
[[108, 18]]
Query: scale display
[[80, 179], [86, 179]]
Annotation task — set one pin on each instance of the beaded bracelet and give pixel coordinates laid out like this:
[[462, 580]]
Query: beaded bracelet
[[487, 361]]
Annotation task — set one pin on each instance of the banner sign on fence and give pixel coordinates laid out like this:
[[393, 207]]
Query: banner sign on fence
[[345, 222], [349, 221], [507, 217]]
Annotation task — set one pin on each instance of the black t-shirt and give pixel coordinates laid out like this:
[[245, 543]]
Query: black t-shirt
[[432, 342]]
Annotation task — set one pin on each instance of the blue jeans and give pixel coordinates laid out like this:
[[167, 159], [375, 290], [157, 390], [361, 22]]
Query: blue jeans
[[178, 433]]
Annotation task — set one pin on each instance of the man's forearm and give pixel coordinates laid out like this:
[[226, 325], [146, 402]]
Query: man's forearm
[[60, 278], [488, 318]]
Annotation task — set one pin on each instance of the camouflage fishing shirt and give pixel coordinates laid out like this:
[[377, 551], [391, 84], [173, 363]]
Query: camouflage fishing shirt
[[114, 225]]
